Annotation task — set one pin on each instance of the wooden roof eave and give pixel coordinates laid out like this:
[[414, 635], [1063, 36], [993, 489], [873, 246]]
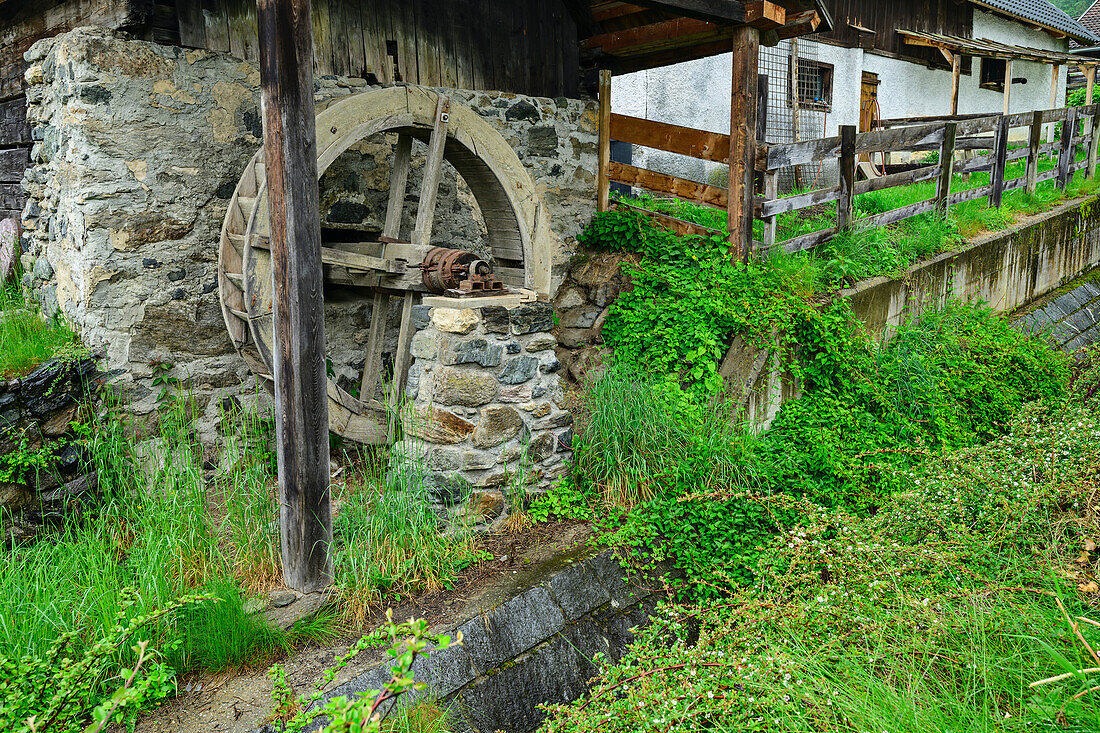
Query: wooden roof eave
[[985, 48], [662, 38]]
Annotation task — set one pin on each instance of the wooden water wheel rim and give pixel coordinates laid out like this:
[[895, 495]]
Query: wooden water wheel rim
[[518, 233]]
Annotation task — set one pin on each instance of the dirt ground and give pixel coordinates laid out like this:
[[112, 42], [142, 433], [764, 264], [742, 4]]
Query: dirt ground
[[241, 701]]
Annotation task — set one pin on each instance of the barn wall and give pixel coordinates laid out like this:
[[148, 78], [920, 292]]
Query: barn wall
[[138, 149], [523, 46]]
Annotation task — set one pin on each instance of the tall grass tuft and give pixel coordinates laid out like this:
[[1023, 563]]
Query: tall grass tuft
[[391, 543], [28, 338]]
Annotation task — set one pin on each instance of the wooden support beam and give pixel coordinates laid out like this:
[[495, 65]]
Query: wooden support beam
[[1055, 68], [956, 70], [947, 168], [301, 385], [1065, 157], [742, 165], [1031, 172], [796, 121], [798, 24], [1090, 81], [640, 39], [1008, 85], [766, 16], [845, 206], [1000, 153], [713, 11], [603, 187], [663, 183]]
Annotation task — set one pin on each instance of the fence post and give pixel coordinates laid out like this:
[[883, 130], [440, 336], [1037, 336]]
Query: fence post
[[603, 185], [1000, 154], [771, 192], [845, 206], [1034, 144], [1094, 139], [1065, 158], [947, 168]]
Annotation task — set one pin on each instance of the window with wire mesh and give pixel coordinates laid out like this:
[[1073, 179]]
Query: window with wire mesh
[[815, 84]]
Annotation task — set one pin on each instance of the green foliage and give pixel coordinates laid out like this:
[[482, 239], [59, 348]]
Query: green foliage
[[58, 690], [23, 464], [364, 713], [687, 297], [938, 612], [563, 500]]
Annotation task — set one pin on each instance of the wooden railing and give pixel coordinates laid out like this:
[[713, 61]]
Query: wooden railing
[[990, 134]]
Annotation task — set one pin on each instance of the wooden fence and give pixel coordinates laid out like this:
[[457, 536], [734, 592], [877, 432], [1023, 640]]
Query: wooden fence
[[990, 135]]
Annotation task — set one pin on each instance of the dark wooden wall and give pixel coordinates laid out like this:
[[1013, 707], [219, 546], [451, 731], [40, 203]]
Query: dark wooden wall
[[885, 17], [523, 46]]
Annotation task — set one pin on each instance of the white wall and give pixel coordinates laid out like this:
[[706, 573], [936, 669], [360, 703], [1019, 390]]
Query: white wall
[[696, 93]]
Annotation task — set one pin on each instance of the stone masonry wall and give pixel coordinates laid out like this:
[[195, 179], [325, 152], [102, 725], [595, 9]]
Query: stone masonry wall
[[486, 403], [138, 148]]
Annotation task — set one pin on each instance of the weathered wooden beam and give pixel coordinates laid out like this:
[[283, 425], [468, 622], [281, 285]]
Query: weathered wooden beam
[[956, 70], [1090, 82], [713, 11], [644, 38], [663, 183], [713, 146], [845, 207], [603, 188], [1008, 86], [742, 162], [766, 16], [1033, 149], [997, 175], [1065, 157], [301, 385], [799, 24], [947, 167]]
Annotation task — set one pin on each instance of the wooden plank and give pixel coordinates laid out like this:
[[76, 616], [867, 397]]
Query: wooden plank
[[970, 194], [399, 181], [997, 175], [956, 70], [771, 192], [642, 39], [603, 189], [800, 153], [712, 146], [1031, 170], [1008, 87], [773, 207], [402, 358], [301, 386], [664, 183], [13, 163], [215, 14], [192, 27], [765, 16], [433, 168], [896, 215], [1065, 158], [680, 226], [717, 11], [807, 241], [742, 157], [845, 207], [947, 167], [904, 178], [899, 139]]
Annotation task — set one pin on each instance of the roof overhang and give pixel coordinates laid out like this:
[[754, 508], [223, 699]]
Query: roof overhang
[[1038, 23], [643, 34], [985, 48]]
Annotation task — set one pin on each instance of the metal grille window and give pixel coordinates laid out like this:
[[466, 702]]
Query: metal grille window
[[815, 84]]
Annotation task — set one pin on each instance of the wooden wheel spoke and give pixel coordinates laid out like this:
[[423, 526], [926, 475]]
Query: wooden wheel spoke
[[433, 169], [399, 181]]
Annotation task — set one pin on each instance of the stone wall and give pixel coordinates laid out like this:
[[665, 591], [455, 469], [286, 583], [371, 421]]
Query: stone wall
[[36, 412], [487, 412], [138, 149], [538, 644]]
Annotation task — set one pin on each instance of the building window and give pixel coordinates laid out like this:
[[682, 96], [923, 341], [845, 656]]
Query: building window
[[815, 85], [992, 75]]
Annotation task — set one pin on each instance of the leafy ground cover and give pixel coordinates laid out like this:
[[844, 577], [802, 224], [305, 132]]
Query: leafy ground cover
[[965, 603]]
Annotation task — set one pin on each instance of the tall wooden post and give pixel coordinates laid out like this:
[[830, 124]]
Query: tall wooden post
[[1094, 129], [301, 387], [956, 71], [742, 162], [947, 168], [1008, 85], [603, 193], [1065, 157], [1053, 97], [1032, 171], [796, 122], [1000, 156], [845, 204]]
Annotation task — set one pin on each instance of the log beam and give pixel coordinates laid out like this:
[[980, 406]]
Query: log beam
[[301, 385], [742, 165]]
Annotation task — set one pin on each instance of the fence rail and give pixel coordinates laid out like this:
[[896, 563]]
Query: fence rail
[[947, 137]]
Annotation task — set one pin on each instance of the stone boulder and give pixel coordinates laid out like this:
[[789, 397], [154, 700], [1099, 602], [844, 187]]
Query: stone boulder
[[9, 247]]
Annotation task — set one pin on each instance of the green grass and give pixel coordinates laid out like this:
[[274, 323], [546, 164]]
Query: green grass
[[28, 339]]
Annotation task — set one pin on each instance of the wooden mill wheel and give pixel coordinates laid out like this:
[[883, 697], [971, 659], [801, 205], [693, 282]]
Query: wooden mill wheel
[[518, 237]]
